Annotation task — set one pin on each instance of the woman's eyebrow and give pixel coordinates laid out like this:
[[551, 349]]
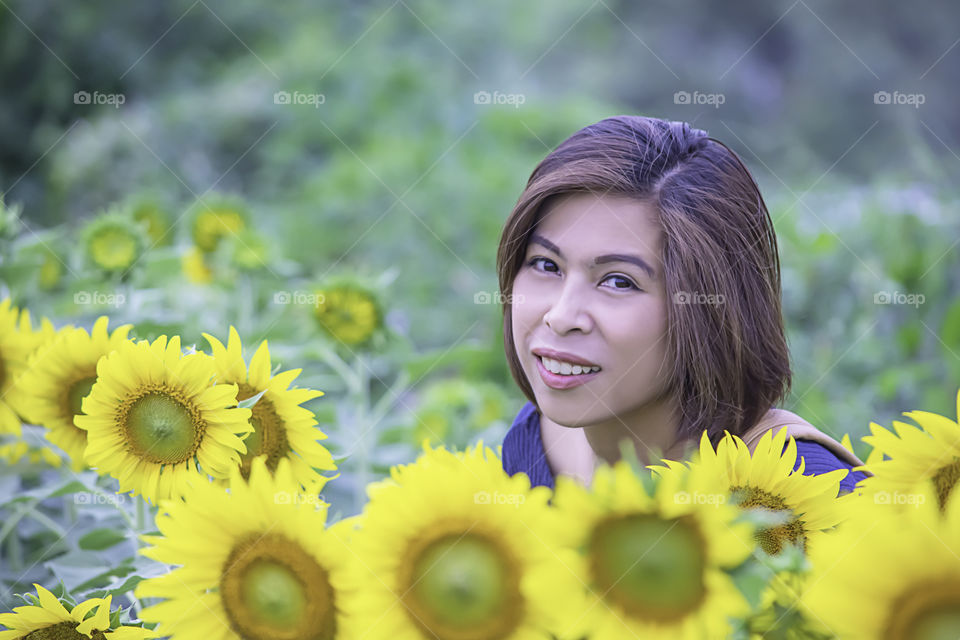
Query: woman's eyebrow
[[610, 257]]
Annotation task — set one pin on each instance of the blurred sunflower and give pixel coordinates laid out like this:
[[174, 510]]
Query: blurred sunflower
[[281, 427], [258, 557], [154, 219], [195, 266], [113, 242], [154, 413], [766, 480], [14, 452], [452, 547], [60, 375], [453, 410], [890, 572], [51, 621], [931, 452], [214, 218], [51, 269], [653, 563], [15, 348], [779, 614], [348, 312], [36, 338]]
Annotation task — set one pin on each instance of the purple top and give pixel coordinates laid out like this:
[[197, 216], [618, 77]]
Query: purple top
[[523, 452]]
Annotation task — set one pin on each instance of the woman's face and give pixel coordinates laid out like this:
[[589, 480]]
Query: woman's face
[[611, 314]]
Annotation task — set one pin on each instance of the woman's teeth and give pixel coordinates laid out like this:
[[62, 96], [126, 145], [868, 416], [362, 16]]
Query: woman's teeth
[[565, 368]]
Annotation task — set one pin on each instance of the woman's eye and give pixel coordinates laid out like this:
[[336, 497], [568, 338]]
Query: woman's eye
[[623, 279], [625, 283], [534, 261]]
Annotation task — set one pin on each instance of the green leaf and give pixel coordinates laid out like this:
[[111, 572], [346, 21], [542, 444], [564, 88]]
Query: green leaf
[[950, 333], [74, 486], [100, 539], [127, 585], [252, 400]]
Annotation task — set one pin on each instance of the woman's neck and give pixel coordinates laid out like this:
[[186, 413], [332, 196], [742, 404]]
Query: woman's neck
[[651, 429], [575, 452]]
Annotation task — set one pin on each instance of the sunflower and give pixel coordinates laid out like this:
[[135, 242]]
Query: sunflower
[[60, 375], [890, 572], [14, 452], [51, 621], [113, 242], [653, 564], [51, 269], [195, 266], [766, 480], [779, 614], [15, 348], [456, 408], [36, 338], [281, 427], [452, 547], [214, 218], [348, 312], [257, 557], [153, 414], [931, 452], [154, 219]]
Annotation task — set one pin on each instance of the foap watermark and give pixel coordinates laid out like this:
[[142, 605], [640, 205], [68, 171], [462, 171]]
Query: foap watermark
[[299, 297], [486, 297], [112, 99], [898, 497], [685, 497], [697, 297], [114, 499], [294, 497], [898, 297], [896, 97], [99, 298], [685, 97], [299, 97], [485, 497], [485, 97]]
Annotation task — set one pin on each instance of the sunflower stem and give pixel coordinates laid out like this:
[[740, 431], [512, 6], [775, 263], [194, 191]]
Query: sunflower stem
[[141, 518], [330, 357], [15, 552], [245, 304], [362, 395]]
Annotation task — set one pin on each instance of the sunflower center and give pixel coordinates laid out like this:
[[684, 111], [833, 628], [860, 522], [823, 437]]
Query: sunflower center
[[926, 612], [272, 588], [945, 479], [652, 567], [62, 631], [462, 587], [76, 392], [771, 539], [114, 248], [269, 434], [162, 428]]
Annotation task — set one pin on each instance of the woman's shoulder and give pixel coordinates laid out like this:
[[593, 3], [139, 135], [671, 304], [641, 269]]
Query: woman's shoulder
[[798, 428], [522, 439], [523, 450], [817, 459]]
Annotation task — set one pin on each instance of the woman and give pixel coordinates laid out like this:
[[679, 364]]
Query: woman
[[642, 304]]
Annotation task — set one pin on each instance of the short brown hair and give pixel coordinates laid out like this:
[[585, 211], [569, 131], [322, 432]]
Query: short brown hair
[[731, 361]]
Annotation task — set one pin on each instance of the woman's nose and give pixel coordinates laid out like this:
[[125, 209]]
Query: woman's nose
[[568, 310]]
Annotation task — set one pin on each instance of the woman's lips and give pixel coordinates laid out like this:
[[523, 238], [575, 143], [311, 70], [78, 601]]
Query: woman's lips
[[557, 381]]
